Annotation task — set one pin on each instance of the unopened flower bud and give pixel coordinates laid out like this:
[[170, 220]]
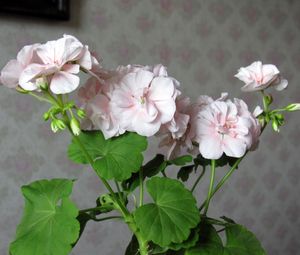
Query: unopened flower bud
[[293, 107], [267, 100], [54, 127], [75, 126], [60, 124], [57, 124], [81, 113], [275, 125], [280, 119], [46, 116]]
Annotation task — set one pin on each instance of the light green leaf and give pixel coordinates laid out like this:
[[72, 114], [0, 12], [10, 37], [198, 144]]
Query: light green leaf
[[115, 158], [240, 241], [182, 160], [172, 215], [49, 225]]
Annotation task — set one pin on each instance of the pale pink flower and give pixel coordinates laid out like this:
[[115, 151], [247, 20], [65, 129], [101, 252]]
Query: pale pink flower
[[95, 99], [12, 70], [255, 128], [259, 77], [143, 101], [225, 127], [180, 132], [178, 125], [60, 61]]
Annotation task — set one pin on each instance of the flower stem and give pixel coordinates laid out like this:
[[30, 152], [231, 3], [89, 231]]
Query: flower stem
[[211, 185], [40, 98], [198, 179], [223, 180]]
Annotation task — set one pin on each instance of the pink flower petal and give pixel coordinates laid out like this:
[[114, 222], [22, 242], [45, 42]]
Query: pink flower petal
[[10, 74], [210, 148], [63, 82]]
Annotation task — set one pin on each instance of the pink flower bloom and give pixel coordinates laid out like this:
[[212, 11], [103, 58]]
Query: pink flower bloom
[[12, 70], [180, 132], [60, 59], [226, 127], [143, 101], [259, 77], [56, 62], [95, 99]]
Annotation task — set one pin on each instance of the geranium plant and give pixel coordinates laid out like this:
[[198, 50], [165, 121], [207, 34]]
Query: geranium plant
[[116, 111]]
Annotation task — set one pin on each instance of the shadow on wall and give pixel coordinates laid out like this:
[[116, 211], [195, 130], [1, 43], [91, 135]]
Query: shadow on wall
[[73, 22]]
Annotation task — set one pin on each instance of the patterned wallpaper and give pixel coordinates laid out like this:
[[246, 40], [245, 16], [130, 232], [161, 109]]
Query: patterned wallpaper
[[202, 43]]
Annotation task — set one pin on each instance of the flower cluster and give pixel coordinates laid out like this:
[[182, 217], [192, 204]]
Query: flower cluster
[[144, 99], [55, 63]]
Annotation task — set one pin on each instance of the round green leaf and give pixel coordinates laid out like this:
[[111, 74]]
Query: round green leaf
[[172, 215], [48, 225], [240, 241], [115, 158]]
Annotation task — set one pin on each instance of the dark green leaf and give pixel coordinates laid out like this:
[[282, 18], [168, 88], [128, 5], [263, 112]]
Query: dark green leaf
[[190, 242], [116, 158], [133, 247], [185, 172], [150, 169], [172, 215], [49, 224], [82, 218], [240, 241]]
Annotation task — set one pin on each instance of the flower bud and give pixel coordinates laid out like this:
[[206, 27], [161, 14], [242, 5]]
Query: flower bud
[[267, 100], [46, 116], [75, 126], [279, 118], [293, 107], [53, 126], [275, 125], [81, 113], [57, 124], [60, 124]]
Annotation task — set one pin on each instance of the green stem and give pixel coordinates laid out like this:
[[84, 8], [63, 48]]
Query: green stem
[[107, 218], [141, 187], [93, 209], [198, 179], [143, 244], [223, 180], [211, 185], [119, 191], [106, 184], [40, 98]]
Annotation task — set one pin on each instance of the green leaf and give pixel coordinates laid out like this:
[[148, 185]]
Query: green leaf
[[116, 158], [172, 215], [133, 247], [49, 224], [182, 160], [190, 242], [184, 172], [223, 161], [149, 169], [240, 241]]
